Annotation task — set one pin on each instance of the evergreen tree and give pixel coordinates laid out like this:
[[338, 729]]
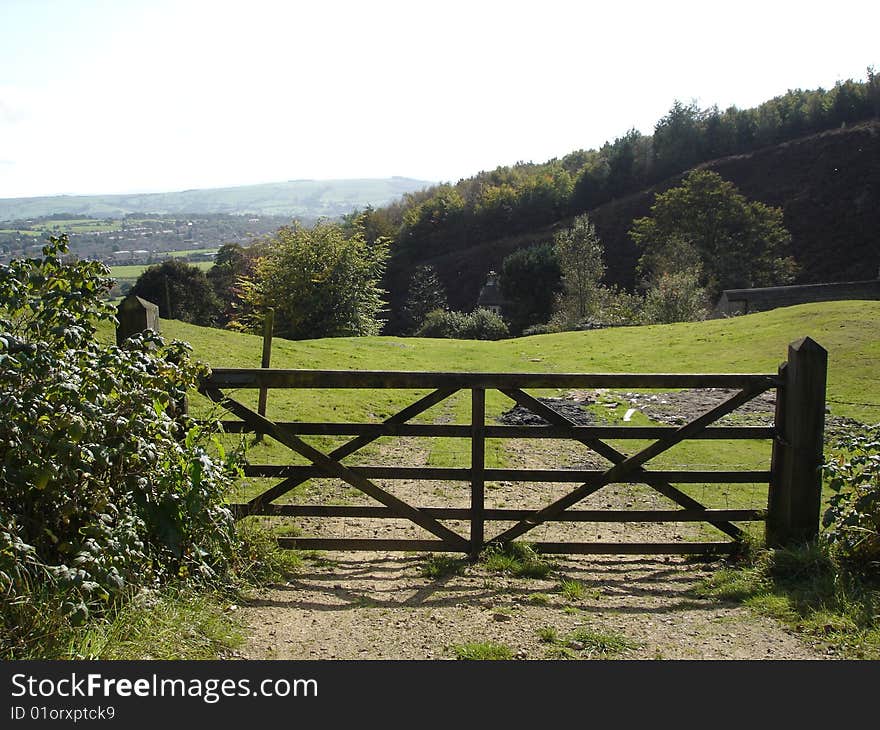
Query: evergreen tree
[[426, 293], [530, 281]]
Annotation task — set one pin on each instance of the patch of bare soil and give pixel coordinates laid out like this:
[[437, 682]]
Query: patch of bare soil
[[679, 407], [383, 606]]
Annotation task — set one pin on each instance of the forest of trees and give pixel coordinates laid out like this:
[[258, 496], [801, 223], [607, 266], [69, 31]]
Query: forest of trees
[[346, 288], [511, 200], [525, 195]]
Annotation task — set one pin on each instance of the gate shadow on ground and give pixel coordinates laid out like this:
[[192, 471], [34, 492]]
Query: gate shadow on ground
[[628, 585]]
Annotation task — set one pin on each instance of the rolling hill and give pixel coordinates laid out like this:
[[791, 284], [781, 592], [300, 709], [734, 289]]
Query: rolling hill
[[308, 199], [850, 331], [827, 184]]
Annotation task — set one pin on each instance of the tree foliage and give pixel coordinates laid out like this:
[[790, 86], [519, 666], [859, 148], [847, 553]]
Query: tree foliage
[[581, 263], [182, 287], [98, 493], [674, 296], [232, 264], [481, 324], [530, 281], [426, 293], [705, 223], [320, 282]]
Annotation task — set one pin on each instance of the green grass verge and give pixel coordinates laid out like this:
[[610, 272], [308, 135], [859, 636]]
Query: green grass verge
[[177, 621], [516, 559], [174, 623], [807, 591], [440, 566]]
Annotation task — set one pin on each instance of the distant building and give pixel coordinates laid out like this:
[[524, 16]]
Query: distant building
[[744, 301], [490, 295]]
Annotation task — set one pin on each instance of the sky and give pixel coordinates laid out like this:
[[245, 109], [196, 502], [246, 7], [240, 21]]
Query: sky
[[121, 96]]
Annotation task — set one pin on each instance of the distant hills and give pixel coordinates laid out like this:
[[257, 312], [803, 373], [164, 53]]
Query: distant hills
[[306, 199]]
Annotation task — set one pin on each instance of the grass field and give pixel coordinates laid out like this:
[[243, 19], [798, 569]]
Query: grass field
[[79, 225], [133, 271], [189, 252], [32, 234], [850, 331]]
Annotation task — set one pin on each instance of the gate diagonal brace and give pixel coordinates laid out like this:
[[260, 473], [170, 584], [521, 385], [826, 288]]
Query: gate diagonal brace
[[623, 465], [350, 447], [333, 468]]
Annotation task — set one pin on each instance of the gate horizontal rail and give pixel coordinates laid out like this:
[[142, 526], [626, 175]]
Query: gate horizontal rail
[[457, 474], [796, 435], [278, 378], [519, 432]]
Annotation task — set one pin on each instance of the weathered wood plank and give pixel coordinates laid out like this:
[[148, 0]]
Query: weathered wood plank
[[590, 476], [277, 378], [302, 428], [366, 544], [266, 360], [625, 467], [637, 548], [333, 468], [795, 490], [549, 548], [478, 468], [506, 515]]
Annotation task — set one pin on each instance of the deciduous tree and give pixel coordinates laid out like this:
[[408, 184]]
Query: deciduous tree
[[320, 282], [707, 223], [581, 262], [182, 287]]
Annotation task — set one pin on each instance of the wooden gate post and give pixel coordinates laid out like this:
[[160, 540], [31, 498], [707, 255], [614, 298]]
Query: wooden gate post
[[796, 481], [135, 315], [268, 329], [478, 467]]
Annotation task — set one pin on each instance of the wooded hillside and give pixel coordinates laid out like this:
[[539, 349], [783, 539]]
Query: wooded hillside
[[811, 153]]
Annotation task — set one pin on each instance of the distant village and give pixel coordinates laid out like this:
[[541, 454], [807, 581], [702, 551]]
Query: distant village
[[136, 240]]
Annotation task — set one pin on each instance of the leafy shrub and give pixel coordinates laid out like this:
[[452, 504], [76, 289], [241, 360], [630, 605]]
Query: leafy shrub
[[184, 288], [675, 297], [102, 489], [852, 520], [481, 324]]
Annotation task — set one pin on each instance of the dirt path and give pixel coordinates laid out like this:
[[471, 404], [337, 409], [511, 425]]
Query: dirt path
[[375, 606], [383, 606]]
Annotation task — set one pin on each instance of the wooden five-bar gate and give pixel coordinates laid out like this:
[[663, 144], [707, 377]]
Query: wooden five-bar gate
[[793, 475]]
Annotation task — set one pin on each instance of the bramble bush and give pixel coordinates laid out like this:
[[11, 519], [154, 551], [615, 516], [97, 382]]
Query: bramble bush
[[852, 520], [102, 491]]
